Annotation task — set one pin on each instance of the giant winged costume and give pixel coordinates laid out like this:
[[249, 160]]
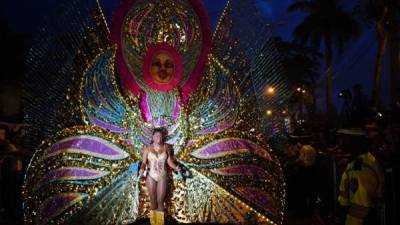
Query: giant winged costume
[[91, 97]]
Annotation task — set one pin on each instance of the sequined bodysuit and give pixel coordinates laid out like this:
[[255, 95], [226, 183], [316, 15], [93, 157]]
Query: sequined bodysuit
[[157, 165]]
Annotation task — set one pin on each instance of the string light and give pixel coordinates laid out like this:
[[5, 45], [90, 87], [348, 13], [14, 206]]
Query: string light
[[270, 90]]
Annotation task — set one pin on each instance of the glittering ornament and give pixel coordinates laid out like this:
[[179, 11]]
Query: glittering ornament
[[157, 70]]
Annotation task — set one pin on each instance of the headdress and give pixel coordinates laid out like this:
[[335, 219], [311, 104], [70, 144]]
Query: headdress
[[144, 28]]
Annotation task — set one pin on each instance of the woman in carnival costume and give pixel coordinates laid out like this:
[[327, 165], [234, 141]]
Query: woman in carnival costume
[[156, 67]]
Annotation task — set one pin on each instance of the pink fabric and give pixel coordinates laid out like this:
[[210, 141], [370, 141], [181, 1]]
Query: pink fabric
[[176, 110], [144, 106]]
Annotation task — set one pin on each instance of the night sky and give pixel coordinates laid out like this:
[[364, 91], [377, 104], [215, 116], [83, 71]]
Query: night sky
[[355, 65]]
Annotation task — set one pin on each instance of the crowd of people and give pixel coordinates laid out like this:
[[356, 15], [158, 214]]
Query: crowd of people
[[351, 181], [13, 161]]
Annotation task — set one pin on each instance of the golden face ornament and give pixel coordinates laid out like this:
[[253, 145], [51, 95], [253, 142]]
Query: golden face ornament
[[162, 68]]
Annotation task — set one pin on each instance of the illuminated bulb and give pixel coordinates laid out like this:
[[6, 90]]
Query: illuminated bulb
[[269, 112], [270, 90], [298, 89]]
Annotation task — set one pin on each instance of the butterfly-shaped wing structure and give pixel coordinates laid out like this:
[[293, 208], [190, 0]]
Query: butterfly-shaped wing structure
[[86, 169]]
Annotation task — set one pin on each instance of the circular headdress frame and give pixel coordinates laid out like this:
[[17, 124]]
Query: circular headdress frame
[[143, 27]]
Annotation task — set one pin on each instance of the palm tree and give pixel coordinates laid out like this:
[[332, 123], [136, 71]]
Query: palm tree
[[301, 65], [381, 38], [385, 16], [327, 23], [376, 12], [394, 48]]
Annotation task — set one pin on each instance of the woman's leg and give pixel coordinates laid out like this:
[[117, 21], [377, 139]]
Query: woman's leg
[[161, 193], [151, 185]]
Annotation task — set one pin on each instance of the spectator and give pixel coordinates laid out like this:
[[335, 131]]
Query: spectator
[[306, 176], [11, 175], [361, 186], [307, 156]]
